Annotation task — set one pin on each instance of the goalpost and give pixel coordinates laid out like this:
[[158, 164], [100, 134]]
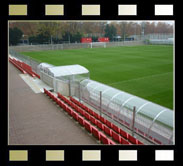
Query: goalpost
[[97, 44]]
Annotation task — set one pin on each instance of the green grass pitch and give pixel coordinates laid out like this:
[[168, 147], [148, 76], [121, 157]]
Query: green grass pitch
[[145, 71]]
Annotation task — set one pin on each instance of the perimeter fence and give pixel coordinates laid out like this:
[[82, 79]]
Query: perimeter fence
[[43, 47]]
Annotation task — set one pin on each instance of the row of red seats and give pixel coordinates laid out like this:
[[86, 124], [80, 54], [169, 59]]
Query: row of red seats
[[90, 128], [125, 123], [17, 66], [105, 125], [29, 70], [97, 120], [110, 125], [82, 112], [25, 67]]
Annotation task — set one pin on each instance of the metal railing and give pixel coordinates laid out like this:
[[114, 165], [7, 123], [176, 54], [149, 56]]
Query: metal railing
[[44, 47]]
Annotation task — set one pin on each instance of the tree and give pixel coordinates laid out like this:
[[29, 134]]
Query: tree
[[15, 35], [67, 37], [110, 31], [76, 37], [47, 30]]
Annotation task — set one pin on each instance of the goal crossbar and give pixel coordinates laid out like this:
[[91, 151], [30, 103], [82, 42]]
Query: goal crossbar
[[98, 44]]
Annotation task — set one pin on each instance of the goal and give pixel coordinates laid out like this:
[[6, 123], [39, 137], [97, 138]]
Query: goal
[[97, 44]]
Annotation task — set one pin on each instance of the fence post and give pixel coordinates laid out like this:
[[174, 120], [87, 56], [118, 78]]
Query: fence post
[[79, 92], [69, 87], [100, 103], [133, 120]]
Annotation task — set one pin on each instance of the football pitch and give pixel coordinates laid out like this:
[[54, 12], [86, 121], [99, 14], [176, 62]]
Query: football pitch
[[145, 71]]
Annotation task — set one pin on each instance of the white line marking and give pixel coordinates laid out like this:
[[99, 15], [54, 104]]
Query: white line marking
[[139, 78]]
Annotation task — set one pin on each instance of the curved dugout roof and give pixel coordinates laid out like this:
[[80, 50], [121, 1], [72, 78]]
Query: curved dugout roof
[[45, 65], [59, 71], [146, 108]]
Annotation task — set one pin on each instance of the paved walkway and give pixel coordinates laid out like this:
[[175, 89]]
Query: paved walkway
[[35, 120]]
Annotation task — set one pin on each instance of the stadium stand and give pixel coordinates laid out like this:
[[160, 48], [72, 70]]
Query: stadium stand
[[23, 67], [108, 127], [74, 112], [87, 118]]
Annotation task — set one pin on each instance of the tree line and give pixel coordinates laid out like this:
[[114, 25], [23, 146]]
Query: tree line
[[59, 32]]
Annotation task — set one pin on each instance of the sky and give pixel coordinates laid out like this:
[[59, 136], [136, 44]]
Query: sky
[[140, 21]]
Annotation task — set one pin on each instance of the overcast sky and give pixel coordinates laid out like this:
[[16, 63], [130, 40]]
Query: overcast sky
[[168, 21]]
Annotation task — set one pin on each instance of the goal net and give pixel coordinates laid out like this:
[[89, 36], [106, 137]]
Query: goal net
[[97, 44]]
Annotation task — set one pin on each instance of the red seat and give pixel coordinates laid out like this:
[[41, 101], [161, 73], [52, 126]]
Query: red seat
[[76, 108], [68, 109], [124, 134], [100, 125], [104, 139], [78, 103], [96, 115], [68, 102], [132, 139], [80, 111], [115, 128], [73, 105], [116, 137], [112, 142], [102, 119], [81, 120], [55, 98], [87, 116], [71, 98], [64, 106], [139, 143], [82, 105], [85, 108], [91, 112], [157, 141], [88, 126], [108, 123], [75, 115], [61, 104], [71, 110], [127, 124], [125, 142], [107, 130], [93, 120], [141, 132], [50, 95], [57, 101], [96, 133], [59, 95]]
